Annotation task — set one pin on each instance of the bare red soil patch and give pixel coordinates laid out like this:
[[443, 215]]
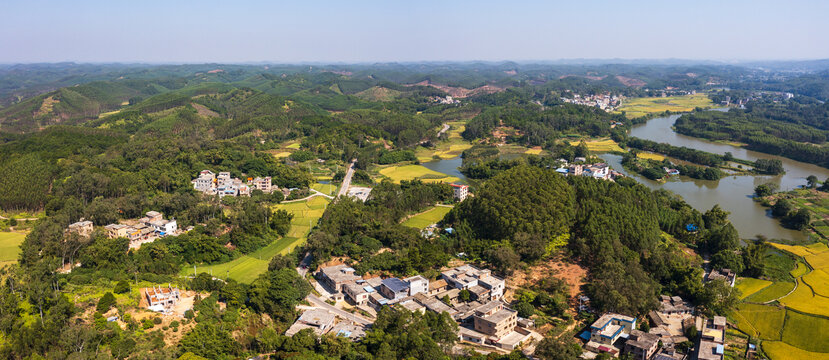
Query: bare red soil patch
[[630, 81]]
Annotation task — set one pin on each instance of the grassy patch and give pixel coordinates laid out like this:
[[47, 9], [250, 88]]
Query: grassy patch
[[748, 286], [771, 292], [763, 321], [10, 246], [327, 189], [637, 107], [428, 217], [779, 265], [799, 327], [411, 172], [248, 267]]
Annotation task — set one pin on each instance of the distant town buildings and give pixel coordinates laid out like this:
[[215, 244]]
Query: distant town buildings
[[604, 101], [223, 185]]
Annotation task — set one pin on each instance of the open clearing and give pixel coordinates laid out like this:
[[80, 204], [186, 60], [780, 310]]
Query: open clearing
[[10, 247], [248, 267], [637, 107], [412, 172], [748, 286], [428, 217], [779, 350]]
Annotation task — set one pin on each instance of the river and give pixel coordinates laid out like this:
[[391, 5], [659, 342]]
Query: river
[[733, 193]]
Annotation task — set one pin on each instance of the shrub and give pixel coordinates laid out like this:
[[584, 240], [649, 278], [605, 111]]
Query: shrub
[[122, 287], [105, 303]]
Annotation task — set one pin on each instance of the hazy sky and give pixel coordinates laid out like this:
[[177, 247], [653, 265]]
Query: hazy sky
[[415, 30]]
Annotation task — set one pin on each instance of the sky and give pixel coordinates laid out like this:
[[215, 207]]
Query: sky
[[176, 31]]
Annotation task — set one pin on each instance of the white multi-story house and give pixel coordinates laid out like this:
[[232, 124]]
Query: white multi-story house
[[460, 191]]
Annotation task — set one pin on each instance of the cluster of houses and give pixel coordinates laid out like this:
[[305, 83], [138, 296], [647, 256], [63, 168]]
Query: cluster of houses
[[146, 229], [598, 170], [617, 334], [321, 322], [727, 275], [605, 101], [484, 319], [223, 185]]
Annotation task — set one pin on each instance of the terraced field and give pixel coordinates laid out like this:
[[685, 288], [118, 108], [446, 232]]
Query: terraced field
[[248, 267], [428, 217], [650, 156], [411, 172], [805, 300]]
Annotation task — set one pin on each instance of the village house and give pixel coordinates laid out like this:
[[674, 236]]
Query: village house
[[318, 320], [726, 275], [417, 285], [334, 277], [161, 299], [460, 192], [83, 228], [468, 276], [357, 293], [641, 345], [675, 305], [438, 286], [394, 288], [607, 330], [262, 183]]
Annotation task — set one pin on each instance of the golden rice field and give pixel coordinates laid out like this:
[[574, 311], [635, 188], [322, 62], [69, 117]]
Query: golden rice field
[[533, 151], [650, 156], [282, 154], [778, 350], [748, 286], [637, 107], [800, 270], [804, 300], [412, 172], [763, 321], [818, 280], [819, 260], [806, 332], [607, 145], [795, 249]]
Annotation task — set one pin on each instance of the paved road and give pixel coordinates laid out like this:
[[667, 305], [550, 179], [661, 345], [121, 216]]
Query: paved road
[[349, 173], [341, 313], [443, 130]]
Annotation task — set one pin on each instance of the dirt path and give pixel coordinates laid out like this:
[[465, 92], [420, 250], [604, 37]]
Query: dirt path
[[313, 193]]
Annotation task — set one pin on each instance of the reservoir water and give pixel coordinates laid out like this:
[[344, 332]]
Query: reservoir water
[[733, 193]]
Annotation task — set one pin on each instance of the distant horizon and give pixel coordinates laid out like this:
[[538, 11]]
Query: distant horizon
[[564, 61], [376, 31]]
